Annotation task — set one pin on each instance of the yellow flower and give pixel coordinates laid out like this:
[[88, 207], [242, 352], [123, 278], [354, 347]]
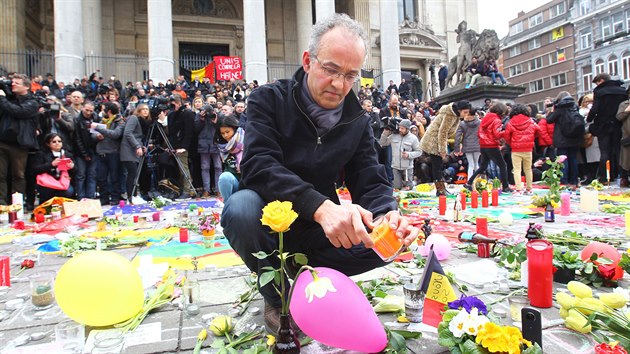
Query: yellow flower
[[278, 215], [319, 287], [501, 339], [221, 325], [202, 335], [577, 322], [271, 340]]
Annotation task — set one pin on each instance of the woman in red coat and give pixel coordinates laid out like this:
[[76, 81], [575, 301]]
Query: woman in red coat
[[490, 134], [521, 133]]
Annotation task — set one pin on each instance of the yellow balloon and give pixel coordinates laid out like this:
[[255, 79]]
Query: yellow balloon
[[99, 288]]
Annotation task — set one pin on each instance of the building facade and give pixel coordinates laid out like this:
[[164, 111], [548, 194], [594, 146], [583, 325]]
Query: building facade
[[602, 41], [538, 52], [141, 39]]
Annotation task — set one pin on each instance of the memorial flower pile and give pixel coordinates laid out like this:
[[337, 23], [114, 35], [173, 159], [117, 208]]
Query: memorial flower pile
[[466, 328], [209, 222]]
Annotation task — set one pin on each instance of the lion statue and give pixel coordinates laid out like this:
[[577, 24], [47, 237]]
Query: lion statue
[[487, 45]]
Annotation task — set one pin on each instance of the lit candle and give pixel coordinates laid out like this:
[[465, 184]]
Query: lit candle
[[17, 198], [608, 171]]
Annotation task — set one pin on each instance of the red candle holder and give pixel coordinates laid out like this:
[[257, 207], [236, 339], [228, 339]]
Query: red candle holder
[[482, 226], [183, 234], [39, 218], [495, 197], [442, 204], [462, 200], [484, 199], [474, 199], [540, 273]]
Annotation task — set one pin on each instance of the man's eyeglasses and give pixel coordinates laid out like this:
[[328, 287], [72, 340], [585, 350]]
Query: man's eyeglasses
[[349, 78]]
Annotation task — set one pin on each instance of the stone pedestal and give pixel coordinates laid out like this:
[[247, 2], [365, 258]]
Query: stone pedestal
[[476, 95]]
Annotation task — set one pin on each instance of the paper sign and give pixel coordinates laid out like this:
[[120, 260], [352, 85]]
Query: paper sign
[[228, 68], [440, 289], [90, 207]]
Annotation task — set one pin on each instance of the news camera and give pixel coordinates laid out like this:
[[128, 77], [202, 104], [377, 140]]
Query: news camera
[[5, 85], [157, 105]]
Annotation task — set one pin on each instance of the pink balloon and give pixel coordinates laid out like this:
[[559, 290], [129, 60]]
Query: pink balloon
[[342, 319], [604, 250], [441, 246]]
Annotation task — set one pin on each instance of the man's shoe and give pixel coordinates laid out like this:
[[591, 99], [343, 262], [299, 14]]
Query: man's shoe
[[507, 190], [205, 195], [272, 320], [623, 182]]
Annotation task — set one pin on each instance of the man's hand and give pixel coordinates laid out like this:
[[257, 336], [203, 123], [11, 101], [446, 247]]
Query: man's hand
[[2, 93], [180, 151], [344, 225]]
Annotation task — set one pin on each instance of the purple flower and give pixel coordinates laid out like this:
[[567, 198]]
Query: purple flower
[[468, 303]]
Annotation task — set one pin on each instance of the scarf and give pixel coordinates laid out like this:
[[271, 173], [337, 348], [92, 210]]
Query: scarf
[[324, 119], [108, 121], [234, 146]]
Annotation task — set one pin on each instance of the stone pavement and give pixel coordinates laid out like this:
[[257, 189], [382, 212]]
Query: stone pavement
[[221, 286]]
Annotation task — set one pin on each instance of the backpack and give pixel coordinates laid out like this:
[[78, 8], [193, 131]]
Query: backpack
[[168, 188], [573, 124]]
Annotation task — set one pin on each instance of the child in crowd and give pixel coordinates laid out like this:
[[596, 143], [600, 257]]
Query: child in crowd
[[467, 141], [231, 151], [521, 133]]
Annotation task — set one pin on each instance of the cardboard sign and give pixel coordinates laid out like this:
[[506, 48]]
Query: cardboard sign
[[228, 68], [440, 289], [90, 207]]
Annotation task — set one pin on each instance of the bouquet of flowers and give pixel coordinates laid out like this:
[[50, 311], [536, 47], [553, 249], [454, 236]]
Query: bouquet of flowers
[[208, 222], [466, 329], [481, 184]]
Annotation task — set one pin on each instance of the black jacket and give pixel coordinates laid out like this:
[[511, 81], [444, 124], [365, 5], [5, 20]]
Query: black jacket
[[606, 99], [19, 121], [84, 141], [181, 128], [558, 116], [286, 159], [43, 162]]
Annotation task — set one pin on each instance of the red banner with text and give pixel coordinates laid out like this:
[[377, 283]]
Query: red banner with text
[[229, 68]]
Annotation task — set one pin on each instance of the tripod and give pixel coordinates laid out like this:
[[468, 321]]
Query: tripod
[[169, 149]]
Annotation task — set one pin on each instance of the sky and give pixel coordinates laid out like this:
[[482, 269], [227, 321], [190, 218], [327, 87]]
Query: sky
[[496, 14]]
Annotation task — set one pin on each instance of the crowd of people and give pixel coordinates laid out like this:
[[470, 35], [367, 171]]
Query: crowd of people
[[97, 139], [421, 142]]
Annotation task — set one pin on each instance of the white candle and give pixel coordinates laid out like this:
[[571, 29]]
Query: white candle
[[17, 198]]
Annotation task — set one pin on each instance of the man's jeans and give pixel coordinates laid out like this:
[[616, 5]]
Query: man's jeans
[[228, 185], [85, 177], [243, 229], [108, 172]]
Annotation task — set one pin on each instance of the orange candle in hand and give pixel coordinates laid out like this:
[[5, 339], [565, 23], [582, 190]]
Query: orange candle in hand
[[386, 243]]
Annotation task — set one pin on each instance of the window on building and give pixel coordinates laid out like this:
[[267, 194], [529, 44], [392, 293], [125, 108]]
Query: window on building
[[587, 78], [599, 66], [406, 9], [613, 65], [585, 7], [585, 39], [535, 20], [617, 23], [516, 28], [625, 65], [556, 10], [559, 80], [535, 63], [515, 50], [516, 70], [553, 58], [536, 86], [534, 43], [628, 19], [606, 30]]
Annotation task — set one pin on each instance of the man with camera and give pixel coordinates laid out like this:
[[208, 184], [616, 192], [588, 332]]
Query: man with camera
[[19, 112], [390, 116], [181, 122]]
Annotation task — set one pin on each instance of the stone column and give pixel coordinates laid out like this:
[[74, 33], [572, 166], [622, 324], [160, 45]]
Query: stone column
[[12, 27], [69, 60], [160, 23], [304, 13], [390, 45], [324, 8], [92, 39], [255, 41]]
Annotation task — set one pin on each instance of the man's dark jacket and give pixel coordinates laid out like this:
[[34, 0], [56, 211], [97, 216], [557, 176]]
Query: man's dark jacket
[[606, 99], [19, 120], [286, 159], [181, 128]]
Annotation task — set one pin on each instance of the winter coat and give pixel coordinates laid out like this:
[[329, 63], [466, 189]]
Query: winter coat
[[399, 143], [43, 162], [466, 136], [444, 125], [18, 121], [624, 118], [606, 99], [521, 133], [546, 133], [285, 157], [84, 141], [132, 139], [113, 135], [206, 135], [558, 116], [490, 131], [181, 128]]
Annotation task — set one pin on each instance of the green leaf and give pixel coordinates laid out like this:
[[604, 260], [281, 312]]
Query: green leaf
[[218, 344], [260, 255], [407, 334], [397, 342], [300, 258], [266, 277]]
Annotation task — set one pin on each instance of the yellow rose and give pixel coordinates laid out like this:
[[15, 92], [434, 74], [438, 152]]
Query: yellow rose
[[577, 322], [221, 325], [278, 215]]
